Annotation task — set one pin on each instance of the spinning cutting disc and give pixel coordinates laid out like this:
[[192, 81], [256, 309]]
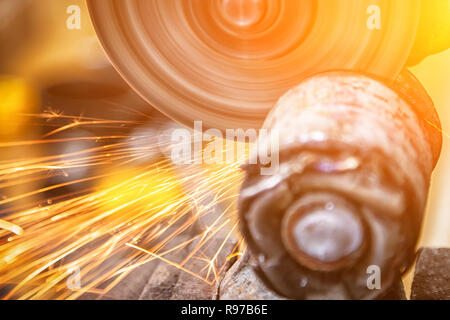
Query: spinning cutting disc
[[226, 62]]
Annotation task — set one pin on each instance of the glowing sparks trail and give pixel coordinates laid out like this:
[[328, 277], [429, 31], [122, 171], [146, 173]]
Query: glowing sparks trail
[[128, 210], [122, 219]]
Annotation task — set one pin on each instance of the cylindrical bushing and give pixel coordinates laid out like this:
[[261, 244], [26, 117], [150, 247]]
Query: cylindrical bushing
[[350, 190]]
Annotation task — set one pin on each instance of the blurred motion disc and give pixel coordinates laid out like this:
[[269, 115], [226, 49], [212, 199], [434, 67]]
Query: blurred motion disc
[[226, 62]]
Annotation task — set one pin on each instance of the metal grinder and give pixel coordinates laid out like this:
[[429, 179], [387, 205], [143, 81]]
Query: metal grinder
[[357, 146]]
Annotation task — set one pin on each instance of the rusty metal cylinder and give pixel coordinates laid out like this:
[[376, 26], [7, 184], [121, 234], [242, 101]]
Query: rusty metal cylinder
[[349, 194]]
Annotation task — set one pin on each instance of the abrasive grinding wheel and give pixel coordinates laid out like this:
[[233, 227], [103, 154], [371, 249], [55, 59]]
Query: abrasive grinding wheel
[[226, 62]]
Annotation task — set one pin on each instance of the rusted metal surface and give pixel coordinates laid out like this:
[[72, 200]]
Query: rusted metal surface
[[242, 282], [158, 280], [350, 192], [432, 275]]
